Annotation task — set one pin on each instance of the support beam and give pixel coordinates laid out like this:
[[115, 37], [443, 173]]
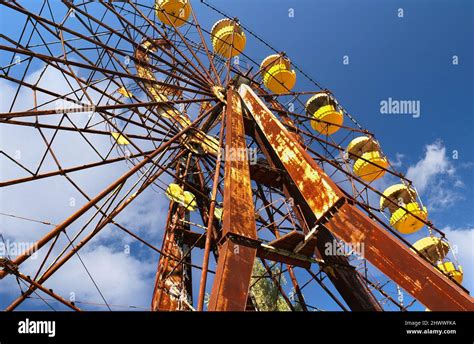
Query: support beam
[[172, 286], [343, 276], [234, 267], [348, 223], [402, 265]]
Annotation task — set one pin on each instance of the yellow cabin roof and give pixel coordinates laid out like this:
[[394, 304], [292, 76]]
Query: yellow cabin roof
[[396, 191], [124, 92], [275, 59], [120, 139], [316, 101], [433, 248], [362, 144], [226, 22]]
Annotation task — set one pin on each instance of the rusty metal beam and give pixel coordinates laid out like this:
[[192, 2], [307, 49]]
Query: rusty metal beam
[[107, 218], [11, 268], [399, 262], [209, 219], [234, 267], [343, 276], [61, 227], [170, 293], [350, 224], [98, 108], [70, 169]]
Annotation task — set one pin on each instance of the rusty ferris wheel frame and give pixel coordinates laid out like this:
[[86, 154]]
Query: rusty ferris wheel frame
[[279, 211]]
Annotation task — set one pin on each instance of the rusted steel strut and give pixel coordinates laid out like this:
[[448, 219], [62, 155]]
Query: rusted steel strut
[[350, 224], [343, 276], [234, 267]]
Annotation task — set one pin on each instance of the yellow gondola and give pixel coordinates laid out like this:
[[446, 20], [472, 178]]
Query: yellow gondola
[[432, 248], [189, 201], [201, 144], [448, 268], [405, 222], [277, 74], [228, 38], [369, 164], [210, 145], [197, 142], [175, 193], [321, 107], [124, 92], [185, 198], [173, 12], [218, 213]]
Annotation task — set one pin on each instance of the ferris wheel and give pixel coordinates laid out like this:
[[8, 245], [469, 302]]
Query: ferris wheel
[[269, 194]]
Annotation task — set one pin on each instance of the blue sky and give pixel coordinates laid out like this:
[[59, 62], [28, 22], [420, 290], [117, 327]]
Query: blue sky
[[404, 58], [408, 58]]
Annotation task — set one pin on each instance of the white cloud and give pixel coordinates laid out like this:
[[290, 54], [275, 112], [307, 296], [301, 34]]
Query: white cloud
[[462, 241], [431, 176], [124, 279], [432, 165], [398, 160]]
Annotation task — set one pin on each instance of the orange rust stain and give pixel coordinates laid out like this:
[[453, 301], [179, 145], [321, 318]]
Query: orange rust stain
[[352, 226], [234, 267], [398, 262], [313, 184], [169, 286]]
